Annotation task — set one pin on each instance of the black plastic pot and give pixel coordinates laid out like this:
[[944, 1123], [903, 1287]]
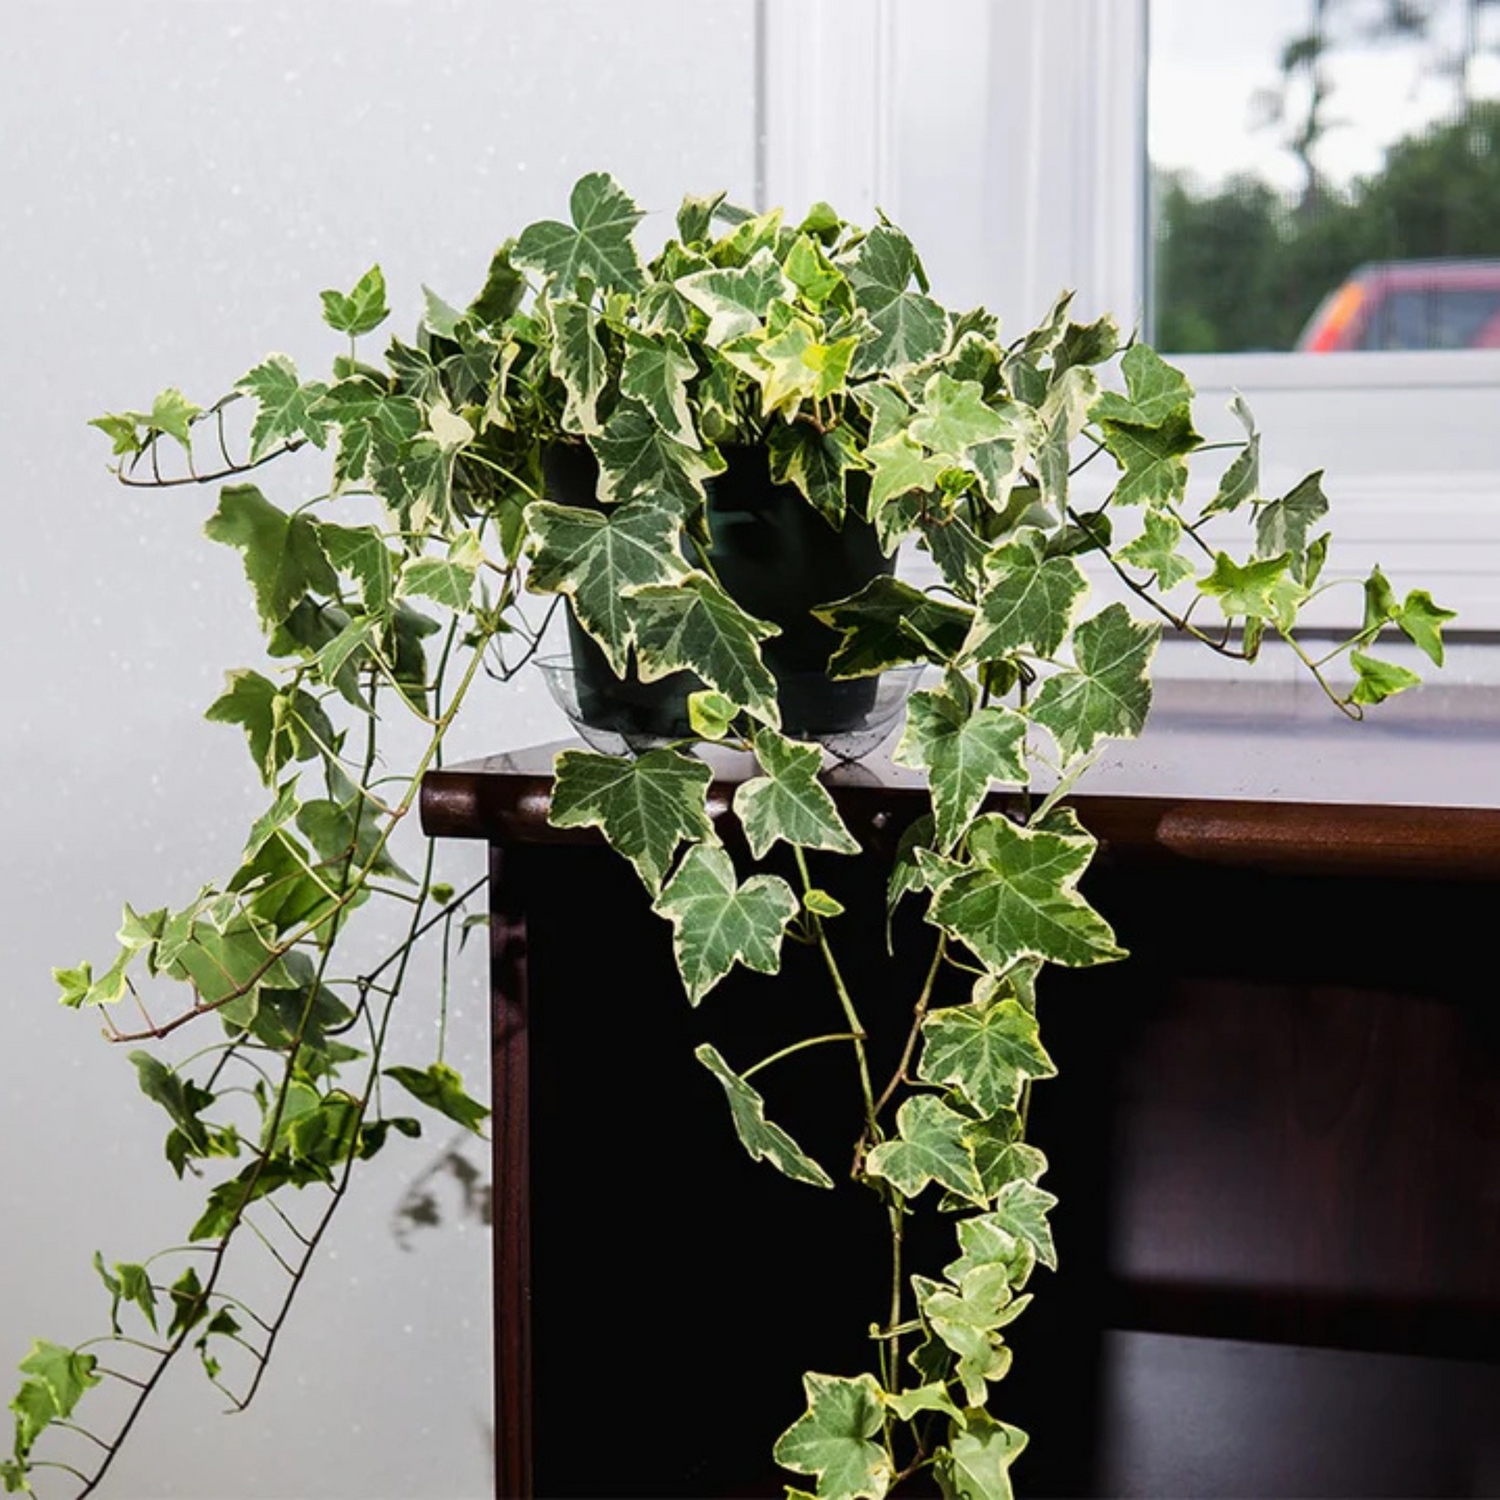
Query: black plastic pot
[[777, 558]]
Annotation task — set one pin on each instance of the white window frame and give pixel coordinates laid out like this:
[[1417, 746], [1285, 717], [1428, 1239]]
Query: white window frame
[[1050, 100]]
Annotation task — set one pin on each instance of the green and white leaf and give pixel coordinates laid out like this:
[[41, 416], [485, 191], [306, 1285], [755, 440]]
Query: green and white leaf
[[1155, 391], [987, 1053], [655, 373], [596, 559], [636, 457], [1029, 600], [931, 1147], [787, 801], [1375, 680], [834, 1438], [964, 750], [954, 417], [815, 462], [738, 299], [976, 1464], [1248, 592], [283, 556], [1021, 1209], [360, 310], [1107, 693], [1241, 480], [1285, 525], [645, 806], [450, 579], [889, 623], [695, 625], [1156, 550], [598, 243], [763, 1140], [1017, 899], [1155, 473], [578, 360], [906, 326], [288, 410], [717, 922]]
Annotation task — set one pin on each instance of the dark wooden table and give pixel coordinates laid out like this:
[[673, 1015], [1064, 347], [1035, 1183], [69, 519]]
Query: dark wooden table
[[1275, 1136]]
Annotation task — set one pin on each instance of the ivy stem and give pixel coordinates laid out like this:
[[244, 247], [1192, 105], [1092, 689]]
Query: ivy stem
[[919, 1014], [812, 1041], [856, 1028]]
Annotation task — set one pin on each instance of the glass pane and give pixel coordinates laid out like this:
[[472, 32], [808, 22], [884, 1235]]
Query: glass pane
[[1325, 174]]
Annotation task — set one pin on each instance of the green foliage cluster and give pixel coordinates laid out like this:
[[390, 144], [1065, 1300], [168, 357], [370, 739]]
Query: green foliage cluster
[[1240, 268], [821, 341]]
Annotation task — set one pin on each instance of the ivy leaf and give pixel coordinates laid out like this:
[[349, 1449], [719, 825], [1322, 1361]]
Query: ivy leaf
[[129, 1283], [279, 726], [737, 300], [1422, 621], [1155, 473], [833, 1438], [900, 468], [597, 244], [1378, 680], [976, 1464], [65, 1373], [1248, 591], [171, 413], [283, 557], [1021, 1209], [963, 749], [717, 922], [655, 373], [189, 1303], [987, 1053], [645, 807], [932, 1148], [450, 579], [1155, 391], [637, 458], [907, 327], [598, 558], [968, 1320], [1155, 550], [578, 360], [985, 1241], [888, 623], [1282, 526], [289, 411], [372, 426], [788, 801], [441, 1088], [1029, 600], [710, 714], [954, 417], [695, 625], [361, 310], [361, 552], [1241, 480], [1108, 694], [1018, 899], [815, 462], [792, 364], [812, 273], [763, 1140], [696, 216]]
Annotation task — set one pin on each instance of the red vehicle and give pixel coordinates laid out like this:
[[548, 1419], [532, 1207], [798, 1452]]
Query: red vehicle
[[1410, 304]]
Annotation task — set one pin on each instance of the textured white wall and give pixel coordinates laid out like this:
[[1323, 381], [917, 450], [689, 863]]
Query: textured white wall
[[178, 179]]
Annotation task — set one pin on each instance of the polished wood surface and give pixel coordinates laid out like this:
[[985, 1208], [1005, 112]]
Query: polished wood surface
[[1278, 1156]]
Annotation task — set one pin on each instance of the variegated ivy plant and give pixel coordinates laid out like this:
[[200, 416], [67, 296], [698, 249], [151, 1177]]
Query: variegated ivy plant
[[389, 596]]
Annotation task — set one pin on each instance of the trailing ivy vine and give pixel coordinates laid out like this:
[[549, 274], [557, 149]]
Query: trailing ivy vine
[[422, 569]]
